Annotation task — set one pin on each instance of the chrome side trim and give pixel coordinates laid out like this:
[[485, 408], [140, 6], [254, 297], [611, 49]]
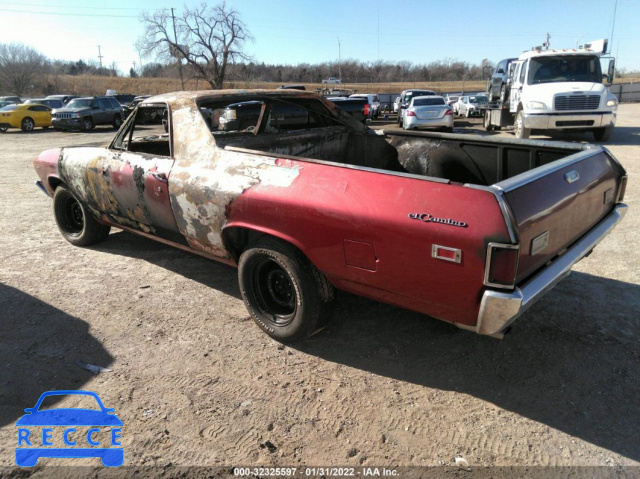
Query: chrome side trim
[[507, 214], [487, 265], [499, 309], [530, 176]]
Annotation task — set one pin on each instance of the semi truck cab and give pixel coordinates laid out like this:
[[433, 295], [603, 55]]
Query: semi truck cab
[[562, 90]]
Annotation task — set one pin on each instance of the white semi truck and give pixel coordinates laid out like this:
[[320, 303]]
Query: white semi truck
[[557, 90]]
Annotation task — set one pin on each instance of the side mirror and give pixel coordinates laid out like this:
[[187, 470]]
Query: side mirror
[[611, 73], [500, 70]]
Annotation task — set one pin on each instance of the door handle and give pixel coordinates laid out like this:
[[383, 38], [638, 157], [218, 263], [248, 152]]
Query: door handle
[[160, 177]]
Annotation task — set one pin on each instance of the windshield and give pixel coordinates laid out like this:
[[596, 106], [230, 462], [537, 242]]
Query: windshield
[[80, 103], [562, 69], [478, 99]]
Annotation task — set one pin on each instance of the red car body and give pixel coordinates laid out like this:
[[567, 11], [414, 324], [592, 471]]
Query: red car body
[[474, 248]]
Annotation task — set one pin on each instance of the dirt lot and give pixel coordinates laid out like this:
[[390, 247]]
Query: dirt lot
[[196, 383]]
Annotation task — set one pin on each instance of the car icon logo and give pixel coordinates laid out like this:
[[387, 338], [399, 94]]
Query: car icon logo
[[31, 447]]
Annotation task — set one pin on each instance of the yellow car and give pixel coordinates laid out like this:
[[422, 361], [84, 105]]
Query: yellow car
[[25, 117]]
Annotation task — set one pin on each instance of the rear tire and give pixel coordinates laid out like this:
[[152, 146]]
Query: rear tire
[[74, 220], [117, 122], [27, 124], [603, 134], [486, 122], [286, 295], [503, 93]]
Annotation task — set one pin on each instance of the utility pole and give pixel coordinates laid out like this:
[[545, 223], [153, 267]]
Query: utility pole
[[175, 37], [613, 26], [339, 61], [100, 57], [547, 44]]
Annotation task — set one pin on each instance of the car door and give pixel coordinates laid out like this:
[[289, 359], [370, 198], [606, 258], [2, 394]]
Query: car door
[[462, 107], [41, 115], [130, 181], [519, 76]]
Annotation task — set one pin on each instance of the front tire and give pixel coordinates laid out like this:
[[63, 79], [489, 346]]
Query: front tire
[[520, 131], [87, 124], [74, 220], [603, 134], [286, 295], [27, 125]]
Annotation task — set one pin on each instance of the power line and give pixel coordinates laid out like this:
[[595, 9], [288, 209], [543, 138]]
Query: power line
[[67, 14], [75, 7]]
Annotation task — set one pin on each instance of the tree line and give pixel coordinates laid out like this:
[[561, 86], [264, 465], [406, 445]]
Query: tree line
[[207, 43]]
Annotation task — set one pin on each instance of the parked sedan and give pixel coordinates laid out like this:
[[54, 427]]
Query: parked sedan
[[470, 105], [25, 117], [428, 112]]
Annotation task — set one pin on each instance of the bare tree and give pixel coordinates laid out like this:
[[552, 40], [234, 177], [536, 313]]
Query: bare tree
[[20, 65], [208, 38]]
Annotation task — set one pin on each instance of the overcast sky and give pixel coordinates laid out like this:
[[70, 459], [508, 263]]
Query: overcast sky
[[302, 31]]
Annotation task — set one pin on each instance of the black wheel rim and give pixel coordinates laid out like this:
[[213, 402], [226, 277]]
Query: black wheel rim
[[274, 291], [72, 216]]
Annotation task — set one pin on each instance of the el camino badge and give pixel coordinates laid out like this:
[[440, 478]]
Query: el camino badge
[[427, 218]]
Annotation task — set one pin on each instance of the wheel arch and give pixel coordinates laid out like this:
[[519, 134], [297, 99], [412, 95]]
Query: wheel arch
[[237, 237]]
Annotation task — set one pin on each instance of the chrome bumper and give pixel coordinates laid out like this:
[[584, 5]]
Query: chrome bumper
[[548, 122], [42, 188], [498, 309]]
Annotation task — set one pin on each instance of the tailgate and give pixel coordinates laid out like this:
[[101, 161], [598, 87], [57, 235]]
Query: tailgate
[[555, 204]]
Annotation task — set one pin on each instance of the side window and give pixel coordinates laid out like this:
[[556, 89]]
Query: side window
[[146, 132], [113, 103], [523, 68]]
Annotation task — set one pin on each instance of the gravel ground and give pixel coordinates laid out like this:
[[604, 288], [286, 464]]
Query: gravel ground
[[196, 383]]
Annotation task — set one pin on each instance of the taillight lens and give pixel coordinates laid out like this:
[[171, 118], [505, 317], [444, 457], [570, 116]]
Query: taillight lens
[[448, 112], [366, 109], [410, 113], [502, 265], [622, 189]]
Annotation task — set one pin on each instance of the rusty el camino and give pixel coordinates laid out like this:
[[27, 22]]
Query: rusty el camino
[[304, 199]]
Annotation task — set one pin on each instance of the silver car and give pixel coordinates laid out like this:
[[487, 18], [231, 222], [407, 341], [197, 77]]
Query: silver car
[[471, 105], [428, 112]]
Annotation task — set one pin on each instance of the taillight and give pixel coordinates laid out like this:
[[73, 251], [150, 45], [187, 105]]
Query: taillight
[[622, 189], [410, 113], [448, 112], [366, 109], [502, 265]]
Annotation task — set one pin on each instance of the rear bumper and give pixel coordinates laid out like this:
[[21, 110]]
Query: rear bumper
[[413, 122], [499, 309], [561, 121]]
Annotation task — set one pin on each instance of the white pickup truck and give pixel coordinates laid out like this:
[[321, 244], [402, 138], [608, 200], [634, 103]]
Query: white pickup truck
[[558, 90]]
